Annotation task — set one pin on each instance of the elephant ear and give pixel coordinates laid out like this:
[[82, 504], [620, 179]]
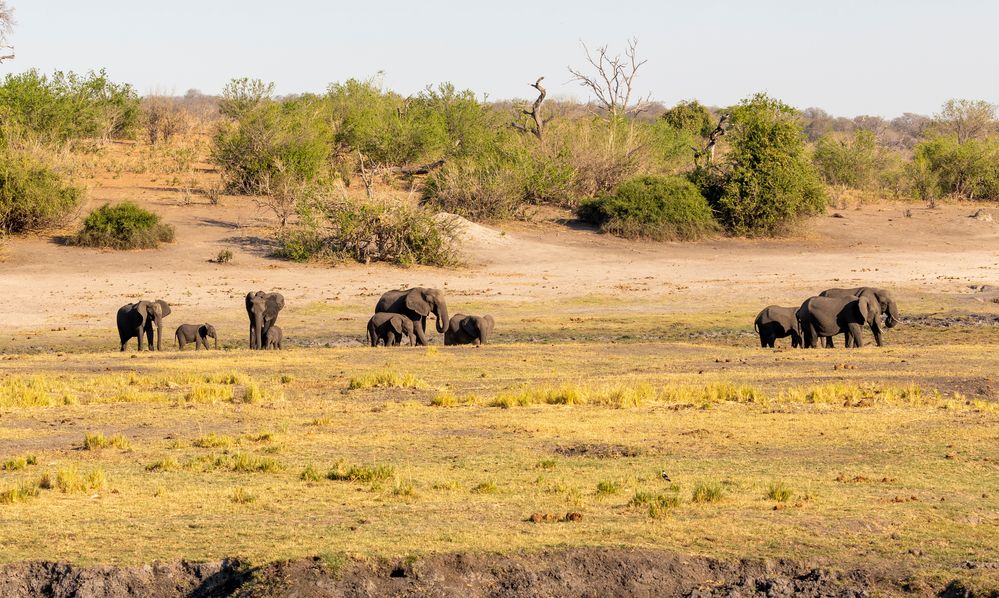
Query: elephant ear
[[873, 308], [164, 308], [864, 309], [470, 326], [396, 324], [417, 302], [489, 322]]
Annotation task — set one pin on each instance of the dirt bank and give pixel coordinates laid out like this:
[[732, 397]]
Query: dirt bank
[[574, 572]]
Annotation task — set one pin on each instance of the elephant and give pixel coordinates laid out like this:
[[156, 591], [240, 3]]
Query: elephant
[[885, 301], [468, 330], [416, 304], [273, 338], [390, 328], [829, 316], [262, 309], [197, 334], [776, 322], [137, 319]]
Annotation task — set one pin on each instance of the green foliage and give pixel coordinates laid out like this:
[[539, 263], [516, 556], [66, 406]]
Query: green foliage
[[691, 117], [855, 163], [944, 165], [239, 96], [768, 181], [482, 191], [123, 226], [33, 196], [69, 106], [386, 128], [266, 140], [346, 230], [661, 208]]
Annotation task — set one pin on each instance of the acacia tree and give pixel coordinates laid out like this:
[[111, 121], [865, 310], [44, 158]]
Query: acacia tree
[[6, 28]]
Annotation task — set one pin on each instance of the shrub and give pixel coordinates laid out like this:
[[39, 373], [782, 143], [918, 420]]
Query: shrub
[[481, 192], [968, 169], [856, 163], [768, 182], [69, 106], [269, 140], [660, 208], [33, 197], [123, 226], [345, 230]]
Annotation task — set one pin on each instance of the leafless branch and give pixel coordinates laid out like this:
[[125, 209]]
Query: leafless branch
[[535, 112], [613, 80], [709, 150]]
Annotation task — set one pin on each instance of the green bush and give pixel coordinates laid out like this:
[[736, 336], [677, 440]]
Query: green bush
[[270, 139], [123, 226], [945, 166], [33, 197], [767, 182], [69, 106], [856, 163], [345, 230], [660, 208]]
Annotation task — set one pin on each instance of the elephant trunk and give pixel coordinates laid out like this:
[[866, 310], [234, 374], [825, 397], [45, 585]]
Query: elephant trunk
[[258, 326], [892, 313], [216, 339], [441, 317]]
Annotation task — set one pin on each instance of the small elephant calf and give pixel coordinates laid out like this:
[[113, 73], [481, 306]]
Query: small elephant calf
[[197, 334], [776, 322], [390, 328], [273, 338], [468, 330]]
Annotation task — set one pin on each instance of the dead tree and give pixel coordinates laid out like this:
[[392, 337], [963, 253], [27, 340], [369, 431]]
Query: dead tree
[[613, 82], [535, 113], [709, 149], [6, 28]]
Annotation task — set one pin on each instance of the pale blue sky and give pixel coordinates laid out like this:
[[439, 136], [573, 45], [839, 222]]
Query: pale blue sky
[[849, 57]]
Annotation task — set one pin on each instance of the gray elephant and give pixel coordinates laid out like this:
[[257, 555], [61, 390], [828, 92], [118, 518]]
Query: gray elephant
[[416, 304], [776, 322], [273, 338], [390, 328], [262, 309], [829, 316], [137, 319], [885, 301], [468, 330], [197, 334]]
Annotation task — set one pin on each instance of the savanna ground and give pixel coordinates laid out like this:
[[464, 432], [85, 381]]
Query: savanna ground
[[614, 361]]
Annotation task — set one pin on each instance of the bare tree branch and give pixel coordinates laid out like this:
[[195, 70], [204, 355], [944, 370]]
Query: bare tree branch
[[535, 112], [613, 82], [709, 149], [7, 23]]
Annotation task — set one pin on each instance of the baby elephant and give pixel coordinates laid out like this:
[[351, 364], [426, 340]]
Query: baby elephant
[[468, 330], [389, 328], [776, 322], [273, 338], [197, 334]]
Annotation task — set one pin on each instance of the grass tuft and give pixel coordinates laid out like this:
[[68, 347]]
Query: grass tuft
[[241, 497], [97, 440], [779, 491], [213, 440], [19, 493], [707, 492], [164, 464], [18, 463], [386, 379], [342, 472]]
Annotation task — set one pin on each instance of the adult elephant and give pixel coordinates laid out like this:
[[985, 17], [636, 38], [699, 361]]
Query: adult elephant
[[137, 319], [885, 301], [416, 304], [775, 322], [262, 309], [829, 316]]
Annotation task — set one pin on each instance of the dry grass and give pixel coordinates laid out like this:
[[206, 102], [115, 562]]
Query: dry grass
[[590, 428]]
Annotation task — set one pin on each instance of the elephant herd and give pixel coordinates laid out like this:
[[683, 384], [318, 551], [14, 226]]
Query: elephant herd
[[400, 318], [831, 312]]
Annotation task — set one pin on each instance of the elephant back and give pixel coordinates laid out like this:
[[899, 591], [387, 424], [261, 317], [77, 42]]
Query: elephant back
[[390, 301]]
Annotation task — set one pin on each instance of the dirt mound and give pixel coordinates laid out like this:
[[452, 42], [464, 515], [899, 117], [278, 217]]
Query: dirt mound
[[477, 235], [572, 572]]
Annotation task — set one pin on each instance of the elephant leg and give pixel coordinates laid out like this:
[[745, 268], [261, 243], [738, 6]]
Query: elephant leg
[[877, 334], [830, 342], [795, 340], [140, 334], [854, 331], [420, 329], [763, 340]]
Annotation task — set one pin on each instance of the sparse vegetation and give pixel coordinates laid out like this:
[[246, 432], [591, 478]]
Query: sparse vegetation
[[386, 379], [779, 491], [123, 226], [18, 463], [343, 472], [707, 492], [97, 440]]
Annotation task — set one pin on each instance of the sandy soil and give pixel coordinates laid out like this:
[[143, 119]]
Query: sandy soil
[[940, 251]]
